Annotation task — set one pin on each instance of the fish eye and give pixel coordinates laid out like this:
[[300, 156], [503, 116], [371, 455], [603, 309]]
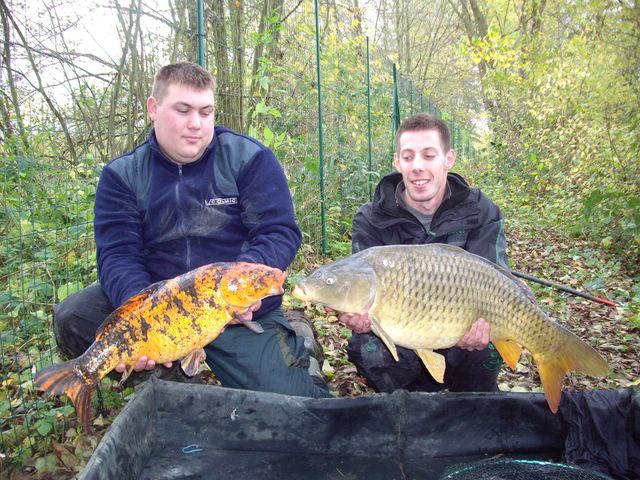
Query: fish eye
[[330, 280]]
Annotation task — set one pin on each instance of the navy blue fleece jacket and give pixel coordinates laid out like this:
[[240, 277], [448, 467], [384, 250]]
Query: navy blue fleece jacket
[[155, 219]]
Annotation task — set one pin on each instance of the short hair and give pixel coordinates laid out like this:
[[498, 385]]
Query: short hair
[[425, 121], [183, 73]]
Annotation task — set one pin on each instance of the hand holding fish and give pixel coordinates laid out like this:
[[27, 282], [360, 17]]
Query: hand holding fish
[[246, 316], [356, 322], [478, 336], [143, 363]]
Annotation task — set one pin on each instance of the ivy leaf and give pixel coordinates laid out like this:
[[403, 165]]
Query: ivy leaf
[[264, 82], [68, 289], [47, 464], [268, 136], [595, 284], [44, 428]]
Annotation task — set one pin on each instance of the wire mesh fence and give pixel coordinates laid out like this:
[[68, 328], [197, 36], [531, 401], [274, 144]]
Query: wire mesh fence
[[330, 122]]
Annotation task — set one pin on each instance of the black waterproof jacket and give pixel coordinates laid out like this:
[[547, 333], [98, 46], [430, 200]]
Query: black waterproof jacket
[[467, 219]]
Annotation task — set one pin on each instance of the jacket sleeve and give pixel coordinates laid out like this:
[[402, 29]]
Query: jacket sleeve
[[118, 235], [488, 240], [363, 234], [267, 213]]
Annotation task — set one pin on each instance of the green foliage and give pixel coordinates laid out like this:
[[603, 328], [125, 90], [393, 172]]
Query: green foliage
[[46, 254], [565, 117], [290, 127], [634, 303], [617, 210]]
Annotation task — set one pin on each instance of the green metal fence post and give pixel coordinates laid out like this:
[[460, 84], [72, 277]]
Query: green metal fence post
[[395, 121], [200, 34], [369, 122], [320, 134]]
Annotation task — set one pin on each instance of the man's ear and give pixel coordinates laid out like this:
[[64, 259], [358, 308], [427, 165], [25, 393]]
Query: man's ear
[[396, 161], [152, 105], [450, 159]]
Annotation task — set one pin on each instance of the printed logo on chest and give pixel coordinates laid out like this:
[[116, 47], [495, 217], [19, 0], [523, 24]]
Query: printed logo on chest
[[214, 202]]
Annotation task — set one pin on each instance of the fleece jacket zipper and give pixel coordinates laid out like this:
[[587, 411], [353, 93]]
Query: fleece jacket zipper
[[181, 220]]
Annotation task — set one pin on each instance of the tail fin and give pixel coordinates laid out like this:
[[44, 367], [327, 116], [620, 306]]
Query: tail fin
[[65, 378], [574, 355]]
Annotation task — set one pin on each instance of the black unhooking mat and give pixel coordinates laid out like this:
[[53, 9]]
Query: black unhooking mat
[[172, 430]]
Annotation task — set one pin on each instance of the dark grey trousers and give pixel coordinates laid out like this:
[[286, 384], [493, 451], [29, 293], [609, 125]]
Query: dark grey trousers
[[466, 371], [273, 361]]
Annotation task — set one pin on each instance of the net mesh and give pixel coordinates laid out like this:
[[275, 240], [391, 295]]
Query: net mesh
[[514, 469]]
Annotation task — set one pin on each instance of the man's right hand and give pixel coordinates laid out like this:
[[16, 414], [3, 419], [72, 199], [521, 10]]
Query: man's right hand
[[143, 363]]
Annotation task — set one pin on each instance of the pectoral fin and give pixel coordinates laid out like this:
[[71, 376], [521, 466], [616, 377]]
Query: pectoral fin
[[434, 362], [509, 350], [126, 374], [190, 364], [255, 327], [384, 336]]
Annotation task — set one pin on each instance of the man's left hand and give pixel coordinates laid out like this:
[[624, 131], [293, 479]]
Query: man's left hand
[[478, 336], [246, 316]]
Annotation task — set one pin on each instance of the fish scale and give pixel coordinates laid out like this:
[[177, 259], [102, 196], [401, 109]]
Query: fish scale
[[426, 297]]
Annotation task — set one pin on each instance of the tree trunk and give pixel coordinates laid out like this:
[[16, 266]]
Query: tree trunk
[[224, 110], [40, 88], [475, 26], [267, 48], [237, 70], [130, 29], [10, 102]]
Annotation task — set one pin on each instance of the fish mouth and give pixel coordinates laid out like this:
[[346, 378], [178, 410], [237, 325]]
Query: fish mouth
[[299, 293], [279, 288]]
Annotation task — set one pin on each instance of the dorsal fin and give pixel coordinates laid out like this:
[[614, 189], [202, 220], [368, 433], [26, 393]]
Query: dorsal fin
[[151, 288], [126, 307]]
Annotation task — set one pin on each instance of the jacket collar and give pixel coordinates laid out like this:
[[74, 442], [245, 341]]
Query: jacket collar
[[384, 199], [387, 212], [155, 146]]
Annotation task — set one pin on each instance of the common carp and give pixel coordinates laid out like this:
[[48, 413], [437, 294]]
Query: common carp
[[170, 320], [426, 297]]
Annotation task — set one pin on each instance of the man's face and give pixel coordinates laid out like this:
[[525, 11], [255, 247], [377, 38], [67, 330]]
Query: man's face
[[183, 121], [424, 165]]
